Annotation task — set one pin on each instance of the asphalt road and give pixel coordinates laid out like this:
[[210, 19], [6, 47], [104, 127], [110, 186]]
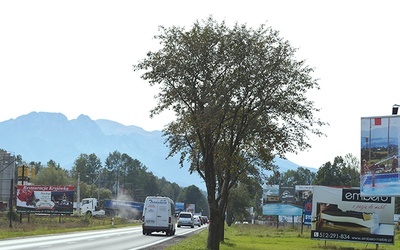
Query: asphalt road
[[128, 238]]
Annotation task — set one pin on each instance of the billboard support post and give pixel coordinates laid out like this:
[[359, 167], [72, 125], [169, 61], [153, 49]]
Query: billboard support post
[[11, 200]]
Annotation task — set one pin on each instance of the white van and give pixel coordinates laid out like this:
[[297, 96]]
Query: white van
[[158, 215]]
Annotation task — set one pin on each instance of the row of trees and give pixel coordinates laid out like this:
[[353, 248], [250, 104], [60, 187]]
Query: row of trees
[[344, 171], [120, 177]]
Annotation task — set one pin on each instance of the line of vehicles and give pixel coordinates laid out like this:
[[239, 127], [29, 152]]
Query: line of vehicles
[[159, 216], [157, 213]]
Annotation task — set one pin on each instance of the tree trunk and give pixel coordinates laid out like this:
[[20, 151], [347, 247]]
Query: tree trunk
[[213, 228], [223, 203], [221, 229], [229, 218], [213, 231]]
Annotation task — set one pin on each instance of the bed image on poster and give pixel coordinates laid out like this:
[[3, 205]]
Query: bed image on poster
[[343, 214], [379, 170]]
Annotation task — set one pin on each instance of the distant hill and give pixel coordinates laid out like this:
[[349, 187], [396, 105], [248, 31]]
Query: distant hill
[[42, 136]]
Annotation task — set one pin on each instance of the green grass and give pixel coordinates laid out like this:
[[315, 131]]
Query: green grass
[[236, 237], [49, 224], [263, 237]]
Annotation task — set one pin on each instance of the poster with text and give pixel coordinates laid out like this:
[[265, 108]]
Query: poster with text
[[343, 214], [379, 170], [45, 199]]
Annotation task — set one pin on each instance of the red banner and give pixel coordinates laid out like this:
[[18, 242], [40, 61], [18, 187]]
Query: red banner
[[45, 199]]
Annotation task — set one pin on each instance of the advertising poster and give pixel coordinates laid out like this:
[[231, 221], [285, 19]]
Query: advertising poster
[[286, 194], [190, 208], [304, 199], [45, 199], [179, 207], [280, 201], [307, 212], [343, 214], [379, 156], [270, 194], [282, 209]]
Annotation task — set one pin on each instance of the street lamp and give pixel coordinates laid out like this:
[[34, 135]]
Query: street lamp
[[395, 108]]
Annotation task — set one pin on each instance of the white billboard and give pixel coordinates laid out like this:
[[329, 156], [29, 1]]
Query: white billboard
[[343, 214]]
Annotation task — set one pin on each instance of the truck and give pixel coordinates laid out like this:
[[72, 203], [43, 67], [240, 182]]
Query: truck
[[120, 208], [158, 215], [91, 207], [124, 209]]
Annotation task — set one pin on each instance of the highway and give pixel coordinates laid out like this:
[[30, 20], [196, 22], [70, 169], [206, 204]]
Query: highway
[[127, 238]]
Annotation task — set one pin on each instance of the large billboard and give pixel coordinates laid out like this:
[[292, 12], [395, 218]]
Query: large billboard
[[179, 207], [281, 200], [379, 171], [45, 199], [343, 214]]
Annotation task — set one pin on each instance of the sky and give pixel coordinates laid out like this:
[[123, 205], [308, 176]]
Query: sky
[[75, 57]]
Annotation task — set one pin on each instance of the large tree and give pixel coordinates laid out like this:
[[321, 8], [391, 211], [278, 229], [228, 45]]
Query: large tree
[[53, 174], [342, 172], [88, 167], [239, 96]]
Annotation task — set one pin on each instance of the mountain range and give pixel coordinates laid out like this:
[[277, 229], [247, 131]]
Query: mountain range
[[43, 136]]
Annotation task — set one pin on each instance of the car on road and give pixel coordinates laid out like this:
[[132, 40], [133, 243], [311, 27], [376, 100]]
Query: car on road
[[185, 219], [204, 219], [197, 220]]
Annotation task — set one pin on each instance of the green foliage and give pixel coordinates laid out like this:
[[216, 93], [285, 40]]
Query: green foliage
[[300, 176], [397, 205], [53, 174], [245, 195], [239, 200], [36, 166], [239, 96], [193, 195], [343, 172], [87, 166], [129, 177], [86, 218], [14, 215]]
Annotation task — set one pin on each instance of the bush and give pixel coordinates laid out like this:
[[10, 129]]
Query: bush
[[86, 218], [14, 215]]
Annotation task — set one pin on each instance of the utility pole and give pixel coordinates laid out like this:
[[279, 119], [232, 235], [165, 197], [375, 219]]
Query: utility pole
[[11, 199], [98, 188], [78, 202]]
